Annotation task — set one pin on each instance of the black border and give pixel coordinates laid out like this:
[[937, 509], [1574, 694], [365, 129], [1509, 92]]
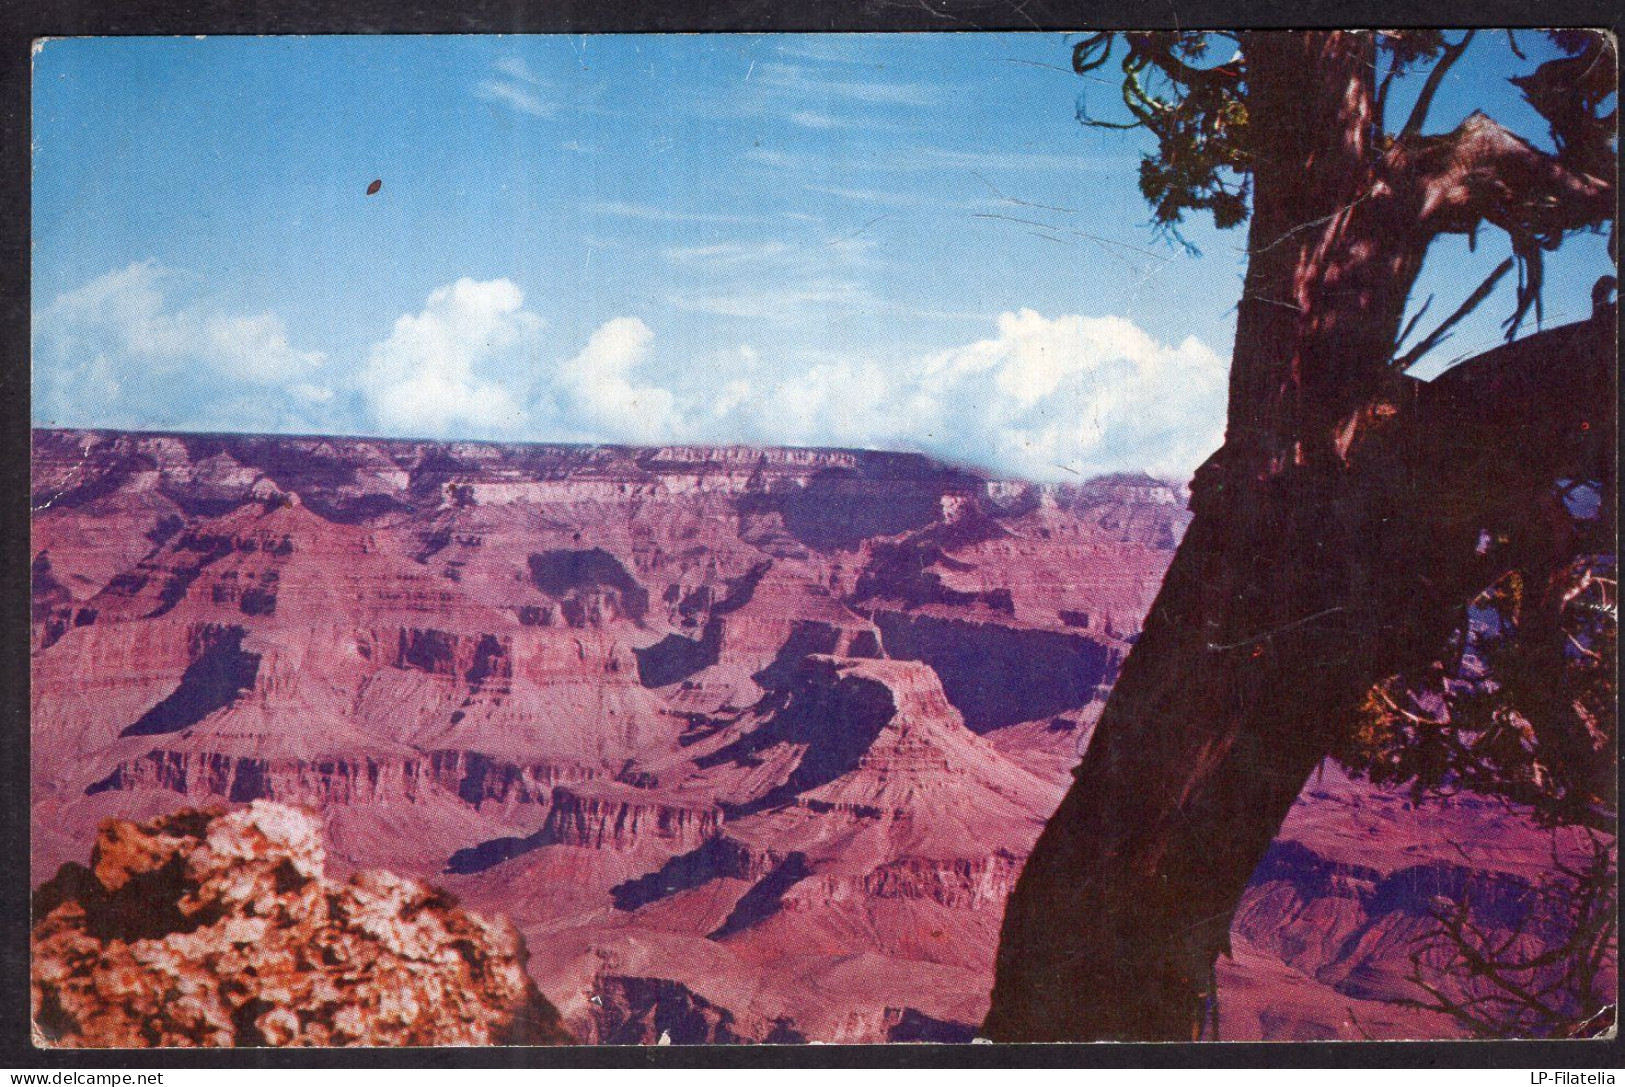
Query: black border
[[21, 21]]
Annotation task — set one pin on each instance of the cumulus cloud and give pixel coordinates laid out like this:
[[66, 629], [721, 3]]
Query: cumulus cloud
[[1041, 398], [450, 369], [1081, 394], [119, 351], [475, 362], [1045, 398], [601, 391]]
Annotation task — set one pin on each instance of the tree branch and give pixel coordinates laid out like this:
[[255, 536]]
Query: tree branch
[[1437, 336], [1424, 100], [1482, 173], [1157, 48], [1410, 326]]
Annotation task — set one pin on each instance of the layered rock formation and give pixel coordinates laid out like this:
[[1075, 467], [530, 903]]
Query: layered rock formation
[[750, 743], [209, 929]]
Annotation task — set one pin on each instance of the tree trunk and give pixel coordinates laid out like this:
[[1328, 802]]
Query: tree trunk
[[1335, 543], [1218, 720]]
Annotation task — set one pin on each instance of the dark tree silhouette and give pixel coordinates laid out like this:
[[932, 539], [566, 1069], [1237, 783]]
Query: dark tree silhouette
[[1353, 514]]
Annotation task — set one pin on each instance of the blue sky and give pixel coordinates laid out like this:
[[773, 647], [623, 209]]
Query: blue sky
[[770, 239]]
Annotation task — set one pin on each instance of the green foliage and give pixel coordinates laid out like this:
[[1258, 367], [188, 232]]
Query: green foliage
[[1197, 109], [1197, 113]]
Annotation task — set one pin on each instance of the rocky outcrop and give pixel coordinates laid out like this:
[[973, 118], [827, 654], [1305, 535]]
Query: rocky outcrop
[[204, 928], [478, 778], [617, 817], [205, 775], [958, 884], [477, 660], [591, 586], [1342, 922], [221, 670], [661, 1011], [1127, 507], [996, 674], [612, 817]]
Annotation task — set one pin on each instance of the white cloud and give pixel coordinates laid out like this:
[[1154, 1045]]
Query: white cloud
[[809, 119], [812, 276], [460, 366], [130, 307], [514, 85], [1040, 398], [316, 394], [600, 386], [815, 296], [1043, 398], [727, 253], [802, 81], [841, 49], [651, 213], [735, 392], [516, 96], [907, 199], [474, 362], [118, 351], [1081, 394], [515, 67]]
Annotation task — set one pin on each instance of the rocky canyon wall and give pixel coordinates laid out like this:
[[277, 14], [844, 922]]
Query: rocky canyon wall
[[749, 744]]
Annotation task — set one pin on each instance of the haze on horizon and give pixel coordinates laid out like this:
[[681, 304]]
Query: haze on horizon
[[875, 241]]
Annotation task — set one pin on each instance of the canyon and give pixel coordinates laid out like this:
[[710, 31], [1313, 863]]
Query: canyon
[[749, 744]]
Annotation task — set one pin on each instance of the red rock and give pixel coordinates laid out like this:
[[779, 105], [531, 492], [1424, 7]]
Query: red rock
[[212, 929], [751, 743]]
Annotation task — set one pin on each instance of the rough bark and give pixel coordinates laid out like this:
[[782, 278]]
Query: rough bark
[[1335, 543]]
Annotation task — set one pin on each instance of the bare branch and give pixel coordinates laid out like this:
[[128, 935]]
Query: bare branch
[[1424, 100], [1410, 326], [1437, 336]]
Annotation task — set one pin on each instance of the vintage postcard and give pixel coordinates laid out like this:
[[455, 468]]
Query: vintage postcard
[[671, 539]]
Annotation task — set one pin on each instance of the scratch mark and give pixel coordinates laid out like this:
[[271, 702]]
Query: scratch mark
[[1058, 68], [860, 230], [80, 467], [1311, 224], [1294, 307], [1007, 198], [1214, 647]]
